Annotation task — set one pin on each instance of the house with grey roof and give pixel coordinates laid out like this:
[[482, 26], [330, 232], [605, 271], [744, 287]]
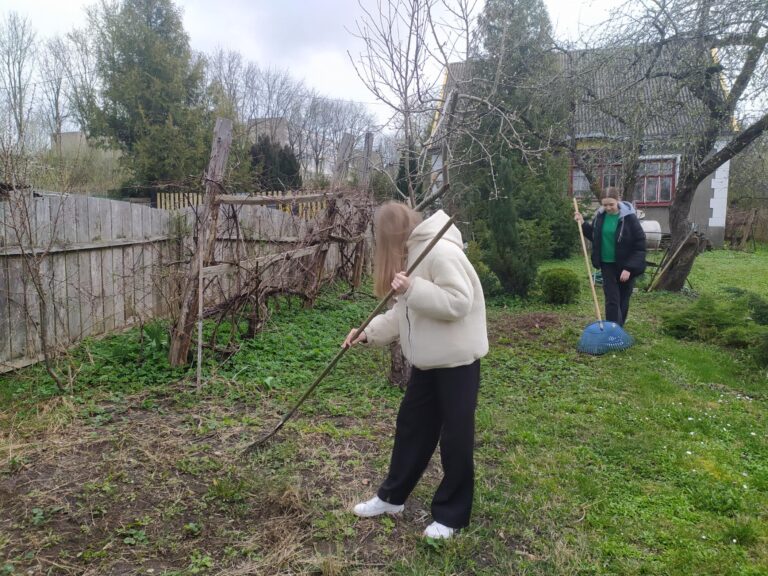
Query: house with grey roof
[[627, 103], [619, 105]]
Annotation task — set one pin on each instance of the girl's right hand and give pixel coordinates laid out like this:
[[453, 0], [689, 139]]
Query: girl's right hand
[[350, 340], [578, 217]]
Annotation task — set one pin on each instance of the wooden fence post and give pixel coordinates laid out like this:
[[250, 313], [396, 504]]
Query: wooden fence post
[[181, 334], [343, 154], [365, 173]]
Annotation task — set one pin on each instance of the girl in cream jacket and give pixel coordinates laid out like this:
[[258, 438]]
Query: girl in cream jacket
[[439, 317]]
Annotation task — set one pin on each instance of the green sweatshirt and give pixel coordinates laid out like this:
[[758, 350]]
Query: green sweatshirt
[[608, 246]]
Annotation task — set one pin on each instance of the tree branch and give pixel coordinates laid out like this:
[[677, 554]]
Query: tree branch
[[736, 145]]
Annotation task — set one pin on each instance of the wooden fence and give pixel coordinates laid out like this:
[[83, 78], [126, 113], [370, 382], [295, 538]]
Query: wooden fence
[[305, 204], [73, 266], [168, 200], [97, 261], [745, 226]]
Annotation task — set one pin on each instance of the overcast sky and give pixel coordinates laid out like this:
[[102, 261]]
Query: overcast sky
[[308, 37]]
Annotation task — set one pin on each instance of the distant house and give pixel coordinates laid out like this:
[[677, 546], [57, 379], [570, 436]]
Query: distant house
[[274, 128], [613, 87], [670, 117], [76, 144]]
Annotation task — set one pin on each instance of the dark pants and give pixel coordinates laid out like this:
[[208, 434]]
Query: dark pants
[[617, 293], [440, 405]]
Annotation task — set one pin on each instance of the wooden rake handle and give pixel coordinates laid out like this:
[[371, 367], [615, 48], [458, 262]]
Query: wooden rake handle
[[376, 311], [589, 266]]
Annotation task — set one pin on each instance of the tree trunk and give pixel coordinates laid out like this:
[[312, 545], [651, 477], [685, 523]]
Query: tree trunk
[[689, 245], [400, 372], [673, 280]]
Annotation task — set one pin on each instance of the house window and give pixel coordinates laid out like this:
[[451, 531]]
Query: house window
[[579, 184], [608, 176], [655, 182]]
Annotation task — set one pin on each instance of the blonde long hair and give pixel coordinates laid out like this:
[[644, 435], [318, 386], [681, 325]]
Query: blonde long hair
[[392, 224]]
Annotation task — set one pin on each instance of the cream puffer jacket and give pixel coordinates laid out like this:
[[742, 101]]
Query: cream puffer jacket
[[440, 320]]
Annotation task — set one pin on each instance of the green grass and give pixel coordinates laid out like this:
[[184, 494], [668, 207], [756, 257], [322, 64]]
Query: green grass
[[652, 461]]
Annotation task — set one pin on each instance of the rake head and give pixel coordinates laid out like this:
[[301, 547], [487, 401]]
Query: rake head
[[602, 337], [261, 442]]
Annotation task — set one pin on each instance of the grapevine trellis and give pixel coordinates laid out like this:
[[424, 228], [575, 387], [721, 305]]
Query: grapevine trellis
[[324, 244], [330, 246]]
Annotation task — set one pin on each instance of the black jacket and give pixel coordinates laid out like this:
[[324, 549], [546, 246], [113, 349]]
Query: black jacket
[[630, 239]]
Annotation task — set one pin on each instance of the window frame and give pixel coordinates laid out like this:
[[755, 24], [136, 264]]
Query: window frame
[[674, 174], [571, 190], [616, 169]]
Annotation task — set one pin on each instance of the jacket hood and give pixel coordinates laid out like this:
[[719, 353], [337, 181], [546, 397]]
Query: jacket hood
[[625, 209], [429, 228]]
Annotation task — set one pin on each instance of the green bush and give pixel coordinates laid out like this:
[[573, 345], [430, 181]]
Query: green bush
[[726, 322], [760, 350], [706, 320], [758, 308], [508, 245], [559, 286], [535, 240], [489, 281], [757, 305]]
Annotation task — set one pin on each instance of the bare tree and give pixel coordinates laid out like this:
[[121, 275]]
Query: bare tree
[[298, 126], [324, 122], [347, 118], [318, 133], [17, 58], [227, 80], [422, 58], [54, 88], [395, 67], [78, 60], [270, 102], [274, 97]]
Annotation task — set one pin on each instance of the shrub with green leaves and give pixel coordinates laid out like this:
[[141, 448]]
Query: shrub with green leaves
[[559, 286], [757, 305], [727, 322], [488, 279], [760, 350]]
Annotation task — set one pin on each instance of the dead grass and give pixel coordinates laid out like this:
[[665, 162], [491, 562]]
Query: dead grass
[[120, 489]]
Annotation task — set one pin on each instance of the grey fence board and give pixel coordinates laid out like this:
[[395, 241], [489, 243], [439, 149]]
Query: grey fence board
[[2, 223], [107, 264], [5, 318], [16, 294]]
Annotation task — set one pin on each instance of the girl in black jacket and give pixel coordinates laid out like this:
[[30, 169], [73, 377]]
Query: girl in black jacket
[[618, 251]]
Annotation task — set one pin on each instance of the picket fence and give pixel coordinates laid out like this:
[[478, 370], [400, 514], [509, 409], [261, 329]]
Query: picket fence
[[175, 200]]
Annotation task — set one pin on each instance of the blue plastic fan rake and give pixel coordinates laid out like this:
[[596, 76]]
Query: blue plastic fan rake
[[599, 337], [602, 337]]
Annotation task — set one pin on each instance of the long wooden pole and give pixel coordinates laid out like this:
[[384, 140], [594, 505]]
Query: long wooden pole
[[376, 311], [663, 271], [199, 319], [589, 267], [181, 334]]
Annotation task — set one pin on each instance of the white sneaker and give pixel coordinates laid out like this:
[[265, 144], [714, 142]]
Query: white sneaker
[[376, 507], [438, 531]]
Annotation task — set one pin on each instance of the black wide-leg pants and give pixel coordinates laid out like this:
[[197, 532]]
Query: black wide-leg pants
[[439, 404], [617, 293]]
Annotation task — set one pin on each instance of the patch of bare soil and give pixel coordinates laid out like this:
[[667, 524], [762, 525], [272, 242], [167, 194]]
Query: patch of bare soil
[[165, 489], [531, 327]]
